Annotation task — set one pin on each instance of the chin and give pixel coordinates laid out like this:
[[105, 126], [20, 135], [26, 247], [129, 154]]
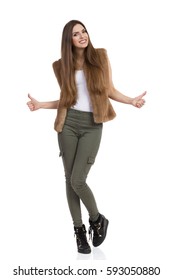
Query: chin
[[83, 46]]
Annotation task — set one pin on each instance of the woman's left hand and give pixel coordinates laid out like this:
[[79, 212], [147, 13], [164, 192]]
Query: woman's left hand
[[138, 101]]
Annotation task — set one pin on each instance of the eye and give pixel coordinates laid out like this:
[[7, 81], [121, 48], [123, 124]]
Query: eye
[[84, 31]]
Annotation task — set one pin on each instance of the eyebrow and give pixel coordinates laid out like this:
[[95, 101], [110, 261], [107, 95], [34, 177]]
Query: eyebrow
[[75, 32]]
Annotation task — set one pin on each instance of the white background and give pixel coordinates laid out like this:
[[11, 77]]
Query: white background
[[132, 176]]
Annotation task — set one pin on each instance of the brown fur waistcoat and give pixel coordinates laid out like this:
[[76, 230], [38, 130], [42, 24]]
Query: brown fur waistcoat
[[102, 108]]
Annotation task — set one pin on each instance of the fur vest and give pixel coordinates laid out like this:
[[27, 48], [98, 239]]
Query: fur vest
[[102, 108]]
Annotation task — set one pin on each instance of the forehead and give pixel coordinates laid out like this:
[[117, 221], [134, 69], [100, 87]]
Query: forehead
[[77, 27]]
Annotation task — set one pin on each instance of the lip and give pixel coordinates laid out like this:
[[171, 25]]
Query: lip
[[83, 41]]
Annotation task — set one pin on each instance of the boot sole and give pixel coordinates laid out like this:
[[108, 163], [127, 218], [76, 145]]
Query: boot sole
[[87, 251]]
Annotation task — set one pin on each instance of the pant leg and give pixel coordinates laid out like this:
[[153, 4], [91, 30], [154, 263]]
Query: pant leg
[[79, 143], [68, 141], [87, 149]]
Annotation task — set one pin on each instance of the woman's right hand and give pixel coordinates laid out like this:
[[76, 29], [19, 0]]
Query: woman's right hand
[[33, 104]]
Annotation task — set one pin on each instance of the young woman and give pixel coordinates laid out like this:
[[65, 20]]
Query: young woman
[[84, 77]]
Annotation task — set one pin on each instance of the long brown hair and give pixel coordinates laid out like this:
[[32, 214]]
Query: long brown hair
[[92, 64]]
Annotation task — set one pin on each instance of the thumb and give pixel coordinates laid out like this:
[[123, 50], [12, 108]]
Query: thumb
[[144, 93], [29, 96]]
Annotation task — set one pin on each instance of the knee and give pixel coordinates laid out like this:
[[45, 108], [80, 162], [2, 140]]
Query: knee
[[78, 184], [68, 180]]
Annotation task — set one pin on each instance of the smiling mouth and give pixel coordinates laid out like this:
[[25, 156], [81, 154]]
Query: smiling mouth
[[82, 41]]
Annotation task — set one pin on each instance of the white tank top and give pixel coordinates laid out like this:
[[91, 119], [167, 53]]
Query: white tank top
[[83, 100]]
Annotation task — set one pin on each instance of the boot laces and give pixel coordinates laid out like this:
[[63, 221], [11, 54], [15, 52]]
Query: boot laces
[[96, 228], [81, 237]]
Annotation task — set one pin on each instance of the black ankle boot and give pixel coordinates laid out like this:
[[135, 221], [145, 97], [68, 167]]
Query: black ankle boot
[[81, 240], [99, 228]]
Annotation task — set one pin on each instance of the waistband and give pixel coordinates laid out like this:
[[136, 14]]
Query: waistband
[[80, 114]]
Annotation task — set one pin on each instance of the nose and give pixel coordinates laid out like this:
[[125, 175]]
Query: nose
[[81, 35]]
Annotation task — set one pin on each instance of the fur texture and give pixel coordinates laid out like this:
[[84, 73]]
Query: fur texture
[[102, 107]]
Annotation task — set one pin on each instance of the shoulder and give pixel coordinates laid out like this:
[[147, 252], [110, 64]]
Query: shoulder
[[101, 51], [56, 65], [102, 54], [57, 69]]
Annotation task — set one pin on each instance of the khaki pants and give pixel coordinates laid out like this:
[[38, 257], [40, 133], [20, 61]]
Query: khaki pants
[[79, 143]]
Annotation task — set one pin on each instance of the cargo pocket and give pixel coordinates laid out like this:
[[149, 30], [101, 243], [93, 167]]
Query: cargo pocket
[[90, 162], [61, 154]]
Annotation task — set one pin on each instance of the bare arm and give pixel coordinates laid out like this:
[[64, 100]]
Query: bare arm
[[34, 104], [116, 95], [137, 101]]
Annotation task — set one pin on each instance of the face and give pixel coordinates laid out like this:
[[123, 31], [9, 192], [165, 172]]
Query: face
[[79, 37]]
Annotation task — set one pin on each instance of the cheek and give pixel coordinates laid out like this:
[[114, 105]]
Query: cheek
[[74, 41]]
